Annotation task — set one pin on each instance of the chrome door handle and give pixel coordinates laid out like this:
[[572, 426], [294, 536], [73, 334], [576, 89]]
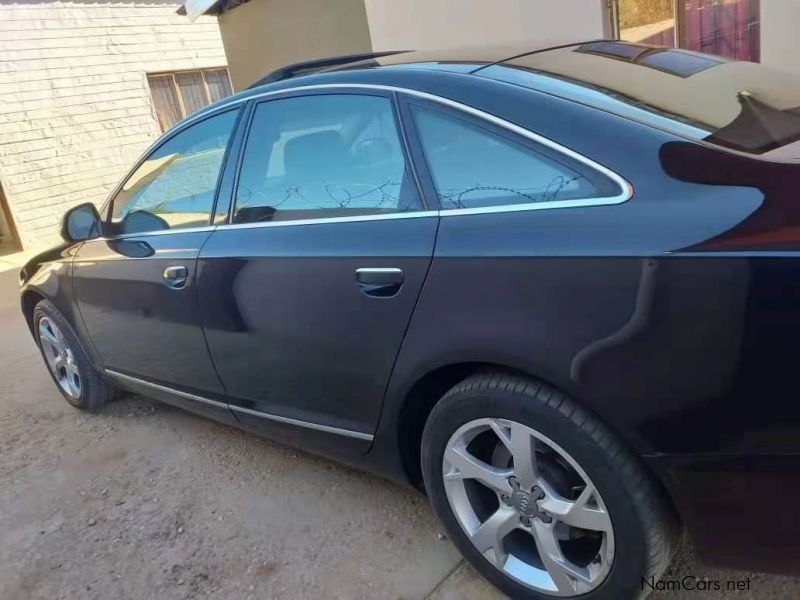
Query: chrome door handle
[[176, 276], [382, 282]]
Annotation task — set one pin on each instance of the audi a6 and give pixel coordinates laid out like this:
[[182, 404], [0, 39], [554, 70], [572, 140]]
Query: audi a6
[[556, 289]]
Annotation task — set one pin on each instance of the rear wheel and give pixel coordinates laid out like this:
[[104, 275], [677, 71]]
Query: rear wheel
[[68, 365], [539, 495]]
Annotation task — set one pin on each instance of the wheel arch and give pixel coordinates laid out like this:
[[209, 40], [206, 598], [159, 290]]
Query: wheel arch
[[32, 295], [29, 299], [426, 391], [420, 398]]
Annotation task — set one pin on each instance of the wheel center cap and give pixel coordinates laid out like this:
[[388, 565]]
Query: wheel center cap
[[526, 503]]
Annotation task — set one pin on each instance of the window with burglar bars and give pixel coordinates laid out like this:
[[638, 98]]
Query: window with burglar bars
[[177, 95]]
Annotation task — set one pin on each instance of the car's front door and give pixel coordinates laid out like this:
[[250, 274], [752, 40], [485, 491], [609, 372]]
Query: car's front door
[[307, 293], [136, 287]]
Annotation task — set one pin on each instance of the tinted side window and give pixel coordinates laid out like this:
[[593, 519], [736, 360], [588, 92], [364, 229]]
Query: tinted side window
[[472, 166], [175, 186], [323, 156]]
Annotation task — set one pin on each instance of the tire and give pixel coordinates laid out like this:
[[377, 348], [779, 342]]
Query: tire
[[627, 521], [91, 391]]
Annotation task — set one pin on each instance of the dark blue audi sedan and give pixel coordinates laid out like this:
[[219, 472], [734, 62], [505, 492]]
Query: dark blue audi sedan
[[558, 290]]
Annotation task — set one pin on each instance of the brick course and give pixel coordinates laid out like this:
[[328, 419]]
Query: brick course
[[75, 107]]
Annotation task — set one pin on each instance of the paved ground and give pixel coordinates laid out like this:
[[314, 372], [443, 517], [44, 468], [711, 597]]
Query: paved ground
[[145, 501]]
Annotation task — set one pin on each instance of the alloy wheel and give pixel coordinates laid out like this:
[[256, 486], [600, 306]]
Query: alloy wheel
[[60, 358], [528, 507]]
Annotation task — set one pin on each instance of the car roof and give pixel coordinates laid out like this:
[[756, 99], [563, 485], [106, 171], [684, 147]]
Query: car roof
[[457, 59], [454, 60], [738, 105]]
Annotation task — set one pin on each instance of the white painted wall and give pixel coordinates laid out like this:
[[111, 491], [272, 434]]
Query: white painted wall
[[75, 107], [264, 35], [425, 24], [780, 34]]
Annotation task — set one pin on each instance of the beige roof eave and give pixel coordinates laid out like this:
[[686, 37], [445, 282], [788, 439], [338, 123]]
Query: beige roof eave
[[708, 97]]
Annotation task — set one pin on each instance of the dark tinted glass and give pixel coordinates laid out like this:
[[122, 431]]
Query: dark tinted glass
[[320, 157], [678, 62], [618, 49], [175, 186], [474, 167]]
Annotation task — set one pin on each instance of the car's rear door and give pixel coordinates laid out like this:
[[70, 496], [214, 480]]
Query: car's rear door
[[136, 287], [307, 293]]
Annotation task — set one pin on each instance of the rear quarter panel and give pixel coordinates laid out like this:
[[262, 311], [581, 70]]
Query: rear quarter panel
[[687, 351], [607, 303]]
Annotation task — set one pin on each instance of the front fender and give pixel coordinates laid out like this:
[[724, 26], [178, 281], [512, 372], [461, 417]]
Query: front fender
[[48, 276]]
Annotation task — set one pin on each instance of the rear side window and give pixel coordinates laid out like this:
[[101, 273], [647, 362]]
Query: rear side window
[[324, 156], [472, 166]]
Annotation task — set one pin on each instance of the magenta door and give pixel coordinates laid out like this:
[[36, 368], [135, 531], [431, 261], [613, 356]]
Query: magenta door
[[728, 28]]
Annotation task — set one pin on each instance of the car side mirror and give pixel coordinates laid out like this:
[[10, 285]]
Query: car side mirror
[[81, 223]]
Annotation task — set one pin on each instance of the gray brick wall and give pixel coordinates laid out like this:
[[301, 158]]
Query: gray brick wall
[[75, 107]]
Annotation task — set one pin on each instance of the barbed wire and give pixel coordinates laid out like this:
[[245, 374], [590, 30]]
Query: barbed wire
[[548, 195]]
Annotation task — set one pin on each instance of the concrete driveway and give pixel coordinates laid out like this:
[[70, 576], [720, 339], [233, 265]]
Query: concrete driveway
[[146, 501]]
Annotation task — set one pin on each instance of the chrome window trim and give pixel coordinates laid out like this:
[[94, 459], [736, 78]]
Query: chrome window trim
[[356, 218], [277, 418], [626, 189], [504, 208], [625, 194], [210, 228], [123, 236]]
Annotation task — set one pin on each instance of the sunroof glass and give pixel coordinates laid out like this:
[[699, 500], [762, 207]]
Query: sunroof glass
[[616, 49], [678, 62]]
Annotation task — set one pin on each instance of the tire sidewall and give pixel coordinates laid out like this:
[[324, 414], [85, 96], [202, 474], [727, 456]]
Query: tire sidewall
[[623, 581]]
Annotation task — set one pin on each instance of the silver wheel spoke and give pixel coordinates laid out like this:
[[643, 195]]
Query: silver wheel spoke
[[49, 337], [577, 513], [523, 448], [72, 371], [567, 577], [490, 534], [519, 442], [466, 466], [53, 353], [73, 376], [74, 385], [54, 350]]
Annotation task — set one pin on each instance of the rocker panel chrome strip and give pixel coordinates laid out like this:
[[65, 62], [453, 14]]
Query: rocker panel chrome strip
[[287, 420]]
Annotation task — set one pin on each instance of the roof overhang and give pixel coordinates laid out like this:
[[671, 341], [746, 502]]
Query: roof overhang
[[195, 8]]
